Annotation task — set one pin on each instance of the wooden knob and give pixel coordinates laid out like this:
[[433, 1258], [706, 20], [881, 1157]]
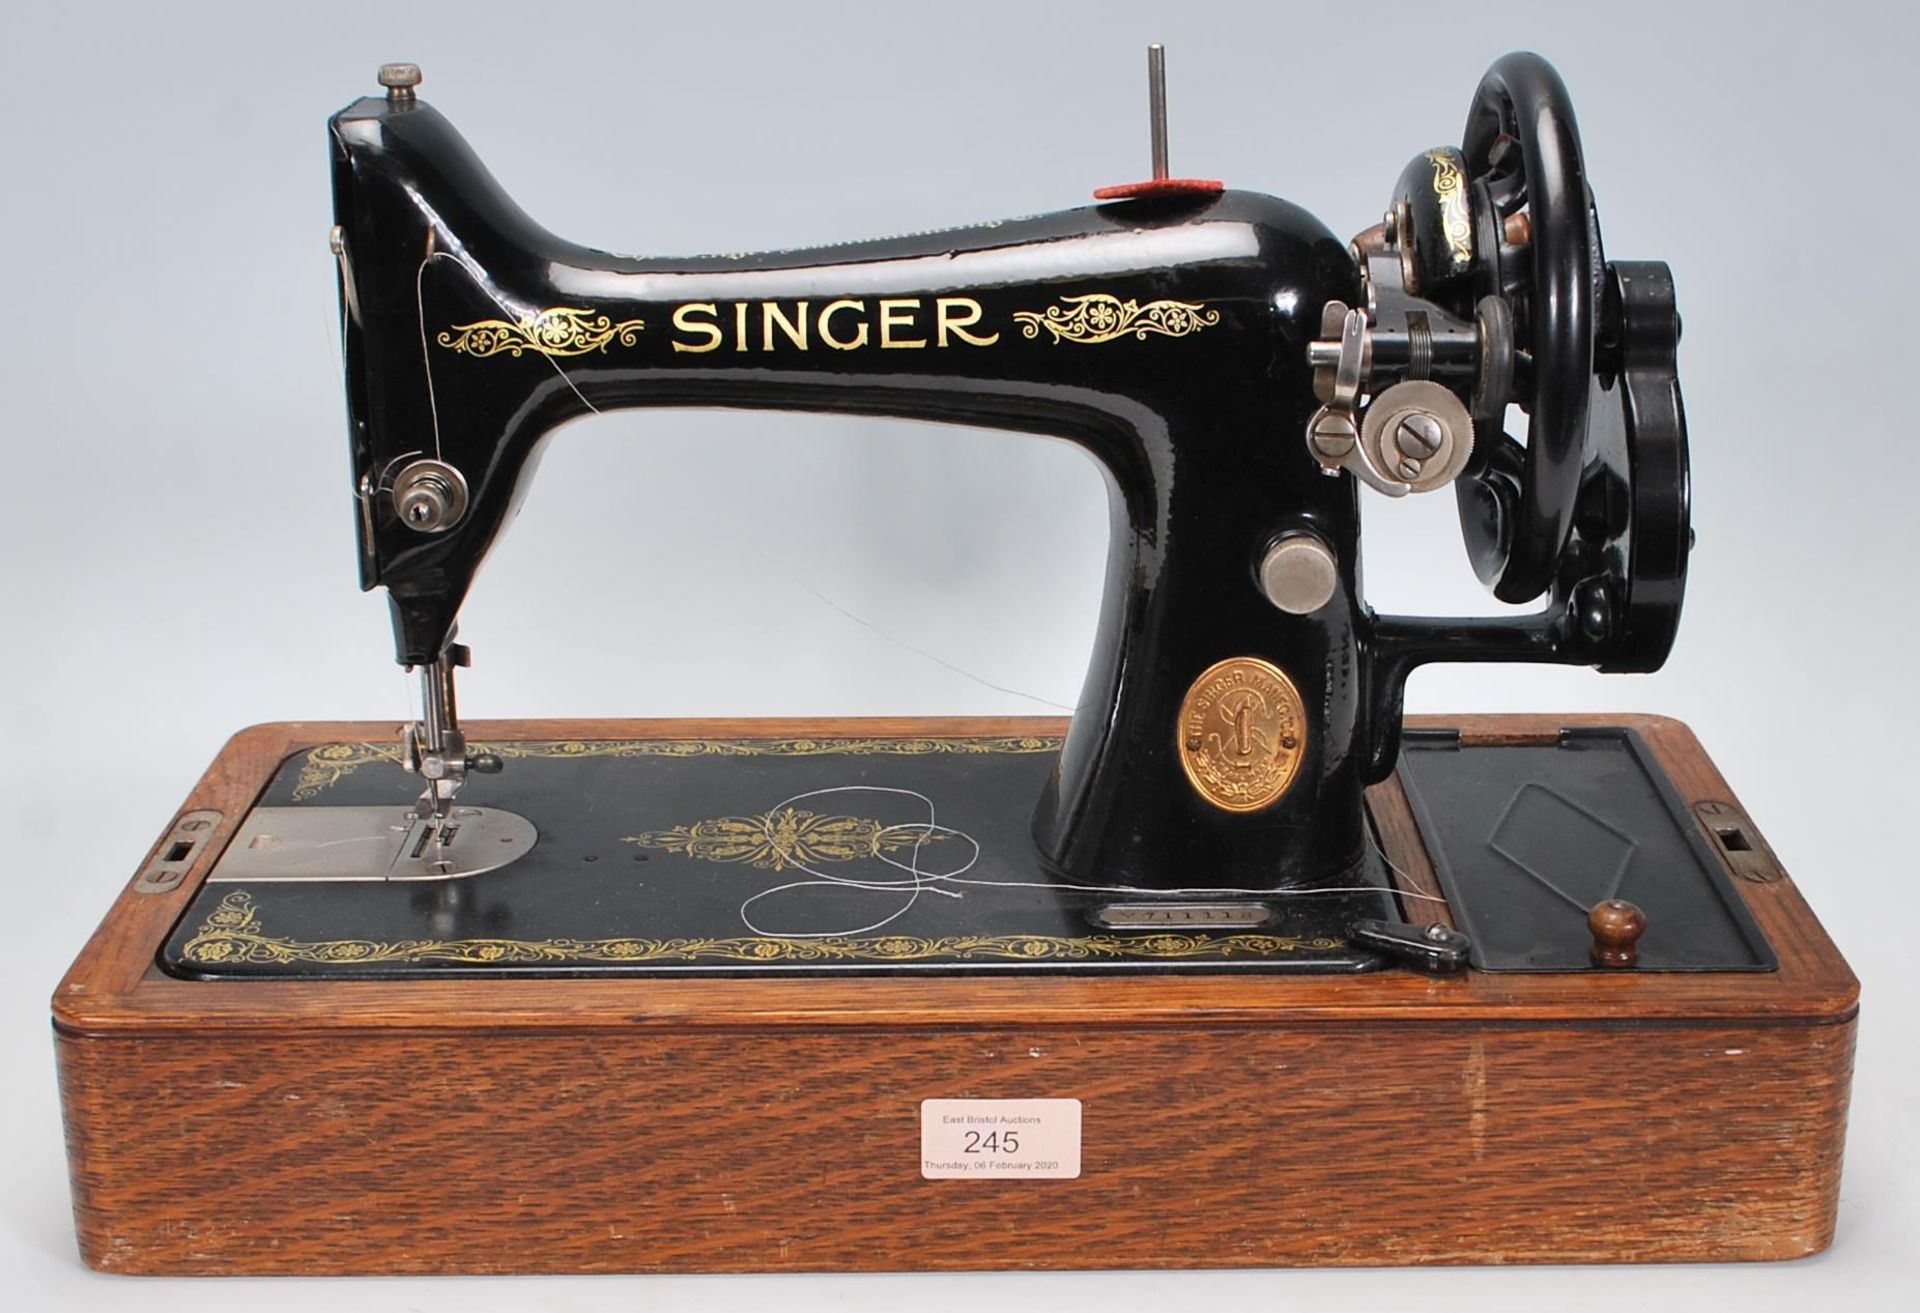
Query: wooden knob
[[1616, 926]]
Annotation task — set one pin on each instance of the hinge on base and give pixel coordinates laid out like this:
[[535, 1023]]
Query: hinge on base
[[177, 853]]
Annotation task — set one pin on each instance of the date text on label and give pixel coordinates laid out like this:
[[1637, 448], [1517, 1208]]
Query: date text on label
[[999, 1139]]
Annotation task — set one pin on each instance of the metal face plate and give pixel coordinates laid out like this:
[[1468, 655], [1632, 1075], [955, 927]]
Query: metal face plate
[[1138, 916], [1242, 734], [371, 843]]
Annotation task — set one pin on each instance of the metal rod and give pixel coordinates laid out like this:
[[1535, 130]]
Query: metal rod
[[1157, 106], [433, 705]]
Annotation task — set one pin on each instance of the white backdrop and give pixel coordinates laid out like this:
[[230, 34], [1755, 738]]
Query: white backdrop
[[177, 529]]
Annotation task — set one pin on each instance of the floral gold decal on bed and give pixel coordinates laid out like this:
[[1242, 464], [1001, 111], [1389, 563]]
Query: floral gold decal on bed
[[328, 764], [786, 837], [233, 935]]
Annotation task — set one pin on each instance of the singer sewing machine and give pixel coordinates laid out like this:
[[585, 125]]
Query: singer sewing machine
[[1232, 969]]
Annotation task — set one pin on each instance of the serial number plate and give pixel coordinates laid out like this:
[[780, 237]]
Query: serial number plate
[[998, 1139]]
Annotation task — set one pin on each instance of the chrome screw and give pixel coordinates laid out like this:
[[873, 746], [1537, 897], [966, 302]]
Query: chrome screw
[[1333, 435], [1419, 435]]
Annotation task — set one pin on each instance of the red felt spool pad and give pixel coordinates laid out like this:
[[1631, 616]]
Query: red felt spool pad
[[1169, 187]]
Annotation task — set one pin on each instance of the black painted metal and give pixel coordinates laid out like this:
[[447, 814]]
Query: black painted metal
[[1526, 838], [720, 826], [1434, 949], [1634, 530], [1200, 434], [1431, 266], [1523, 106]]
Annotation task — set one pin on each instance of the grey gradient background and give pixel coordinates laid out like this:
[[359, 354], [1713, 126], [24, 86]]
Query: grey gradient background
[[176, 556]]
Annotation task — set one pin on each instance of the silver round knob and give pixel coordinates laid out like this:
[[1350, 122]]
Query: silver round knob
[[1418, 431], [1299, 574], [399, 80], [429, 496]]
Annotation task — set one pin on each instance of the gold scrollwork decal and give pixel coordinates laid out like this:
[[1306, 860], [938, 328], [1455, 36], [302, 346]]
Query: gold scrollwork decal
[[785, 837], [1450, 189], [1103, 317], [561, 331], [328, 764], [232, 936]]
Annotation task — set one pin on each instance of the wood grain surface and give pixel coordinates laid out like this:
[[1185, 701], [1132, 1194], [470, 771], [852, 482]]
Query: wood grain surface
[[525, 1125]]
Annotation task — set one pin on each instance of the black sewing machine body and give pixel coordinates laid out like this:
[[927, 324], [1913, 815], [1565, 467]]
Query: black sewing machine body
[[1186, 412], [1169, 336], [646, 995]]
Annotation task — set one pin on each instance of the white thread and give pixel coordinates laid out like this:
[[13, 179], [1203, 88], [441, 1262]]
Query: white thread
[[919, 882], [901, 642], [1418, 890], [479, 281], [346, 320], [426, 355], [419, 294], [916, 883]]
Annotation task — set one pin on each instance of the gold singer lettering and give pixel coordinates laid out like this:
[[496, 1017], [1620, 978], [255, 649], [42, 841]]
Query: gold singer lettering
[[898, 314], [826, 329], [684, 322], [848, 324]]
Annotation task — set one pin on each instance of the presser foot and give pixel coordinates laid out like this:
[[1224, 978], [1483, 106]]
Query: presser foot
[[434, 747]]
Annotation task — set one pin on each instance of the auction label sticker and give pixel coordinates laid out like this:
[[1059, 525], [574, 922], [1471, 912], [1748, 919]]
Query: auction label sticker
[[999, 1139]]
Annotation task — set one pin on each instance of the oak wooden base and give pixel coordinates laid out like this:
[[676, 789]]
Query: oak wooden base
[[704, 1124]]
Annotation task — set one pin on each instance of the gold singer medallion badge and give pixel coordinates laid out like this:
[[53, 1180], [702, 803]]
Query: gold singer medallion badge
[[1242, 734]]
